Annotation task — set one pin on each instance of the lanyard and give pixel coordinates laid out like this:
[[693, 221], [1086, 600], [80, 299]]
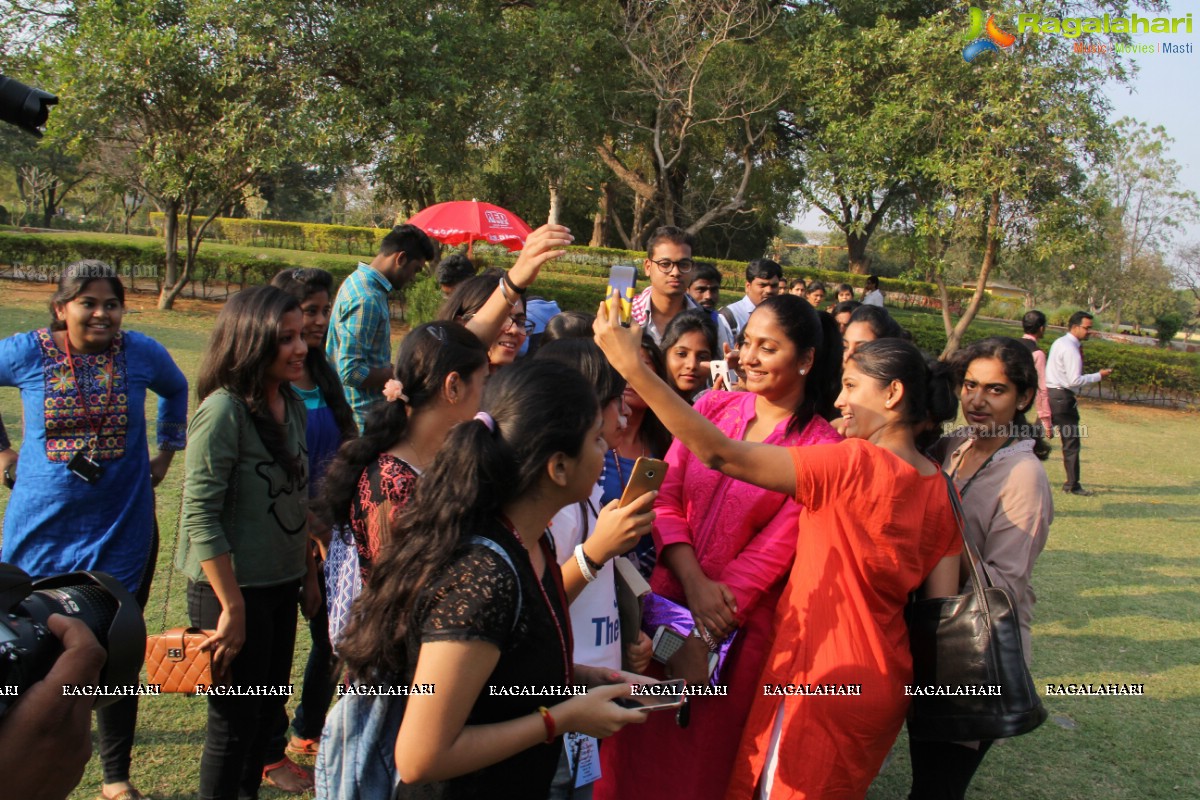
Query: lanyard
[[568, 665], [954, 475], [95, 427]]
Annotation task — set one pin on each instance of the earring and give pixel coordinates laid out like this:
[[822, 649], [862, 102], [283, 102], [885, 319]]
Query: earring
[[803, 370]]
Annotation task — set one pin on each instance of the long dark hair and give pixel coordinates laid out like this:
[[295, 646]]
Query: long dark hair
[[75, 279], [809, 329], [429, 354], [879, 321], [652, 431], [693, 320], [929, 398], [585, 356], [244, 342], [540, 408], [1018, 368], [303, 284], [469, 296]]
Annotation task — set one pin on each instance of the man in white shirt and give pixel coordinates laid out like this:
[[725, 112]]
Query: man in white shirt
[[871, 294], [762, 280], [1064, 379]]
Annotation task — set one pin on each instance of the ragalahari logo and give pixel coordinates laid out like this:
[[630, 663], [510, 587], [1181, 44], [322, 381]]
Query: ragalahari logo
[[983, 37]]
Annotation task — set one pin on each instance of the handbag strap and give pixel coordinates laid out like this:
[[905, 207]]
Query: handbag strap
[[978, 576], [233, 482]]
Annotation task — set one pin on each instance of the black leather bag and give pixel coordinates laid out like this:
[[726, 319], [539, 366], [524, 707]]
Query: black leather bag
[[971, 640]]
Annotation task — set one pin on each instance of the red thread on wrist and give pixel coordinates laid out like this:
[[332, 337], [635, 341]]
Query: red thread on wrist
[[548, 721]]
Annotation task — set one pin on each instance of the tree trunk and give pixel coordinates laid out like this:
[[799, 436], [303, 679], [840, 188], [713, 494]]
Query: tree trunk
[[955, 335], [600, 220], [856, 248], [168, 293], [1117, 313], [555, 201]]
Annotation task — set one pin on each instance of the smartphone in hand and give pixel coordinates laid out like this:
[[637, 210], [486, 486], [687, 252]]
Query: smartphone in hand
[[620, 289], [648, 475]]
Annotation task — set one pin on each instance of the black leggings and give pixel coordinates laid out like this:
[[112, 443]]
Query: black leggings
[[238, 728], [116, 723], [943, 770]]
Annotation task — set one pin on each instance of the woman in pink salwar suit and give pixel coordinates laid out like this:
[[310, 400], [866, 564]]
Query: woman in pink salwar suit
[[725, 548]]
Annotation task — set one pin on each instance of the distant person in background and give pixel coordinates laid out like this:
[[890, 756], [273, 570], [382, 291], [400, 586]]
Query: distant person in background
[[871, 294], [359, 344], [1034, 325], [797, 287], [762, 280], [845, 293], [453, 270], [815, 294], [1064, 379], [842, 312], [705, 287]]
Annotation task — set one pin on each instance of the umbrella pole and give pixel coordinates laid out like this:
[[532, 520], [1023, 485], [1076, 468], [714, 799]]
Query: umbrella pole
[[471, 250]]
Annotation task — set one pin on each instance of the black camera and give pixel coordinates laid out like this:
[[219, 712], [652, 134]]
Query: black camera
[[24, 106], [28, 649]]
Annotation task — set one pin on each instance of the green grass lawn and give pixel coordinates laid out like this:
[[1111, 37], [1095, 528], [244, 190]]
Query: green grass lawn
[[1117, 603]]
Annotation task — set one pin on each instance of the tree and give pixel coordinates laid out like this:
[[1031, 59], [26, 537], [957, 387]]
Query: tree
[[849, 111], [696, 110], [1145, 205], [203, 97], [1005, 138]]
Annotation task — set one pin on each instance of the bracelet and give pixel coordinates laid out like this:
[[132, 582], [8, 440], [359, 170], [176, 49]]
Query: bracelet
[[594, 566], [548, 721], [504, 294], [511, 285], [584, 566]]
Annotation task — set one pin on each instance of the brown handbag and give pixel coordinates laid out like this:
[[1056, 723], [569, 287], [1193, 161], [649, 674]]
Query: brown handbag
[[174, 660], [175, 663]]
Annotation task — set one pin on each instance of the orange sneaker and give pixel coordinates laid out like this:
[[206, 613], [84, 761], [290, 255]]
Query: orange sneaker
[[303, 747]]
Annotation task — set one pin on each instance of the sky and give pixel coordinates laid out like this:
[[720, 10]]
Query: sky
[[1164, 92]]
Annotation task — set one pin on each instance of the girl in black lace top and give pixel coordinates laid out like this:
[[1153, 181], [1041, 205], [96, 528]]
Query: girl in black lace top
[[468, 597]]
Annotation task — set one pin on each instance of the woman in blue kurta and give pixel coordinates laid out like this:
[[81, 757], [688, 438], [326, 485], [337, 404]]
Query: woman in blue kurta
[[84, 496]]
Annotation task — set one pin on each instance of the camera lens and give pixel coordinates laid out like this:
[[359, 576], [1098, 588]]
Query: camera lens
[[95, 598]]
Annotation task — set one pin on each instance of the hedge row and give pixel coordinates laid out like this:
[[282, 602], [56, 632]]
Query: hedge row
[[42, 258], [579, 260], [311, 236]]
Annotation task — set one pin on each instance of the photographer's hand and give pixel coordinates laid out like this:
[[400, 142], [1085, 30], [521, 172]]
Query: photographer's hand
[[46, 738]]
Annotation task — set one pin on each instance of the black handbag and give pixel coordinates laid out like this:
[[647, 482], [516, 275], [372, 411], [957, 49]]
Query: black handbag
[[970, 681]]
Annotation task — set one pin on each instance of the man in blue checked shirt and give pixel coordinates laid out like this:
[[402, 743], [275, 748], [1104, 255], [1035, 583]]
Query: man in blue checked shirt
[[359, 343]]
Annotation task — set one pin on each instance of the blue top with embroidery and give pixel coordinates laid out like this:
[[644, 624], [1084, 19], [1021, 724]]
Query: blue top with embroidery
[[57, 522]]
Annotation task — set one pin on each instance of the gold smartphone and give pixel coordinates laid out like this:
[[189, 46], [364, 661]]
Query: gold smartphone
[[648, 474]]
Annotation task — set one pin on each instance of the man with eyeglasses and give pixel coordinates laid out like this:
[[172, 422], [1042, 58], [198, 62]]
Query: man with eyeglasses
[[762, 280], [669, 266], [1064, 379]]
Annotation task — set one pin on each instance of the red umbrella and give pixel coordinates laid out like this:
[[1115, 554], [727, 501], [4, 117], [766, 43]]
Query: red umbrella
[[461, 221]]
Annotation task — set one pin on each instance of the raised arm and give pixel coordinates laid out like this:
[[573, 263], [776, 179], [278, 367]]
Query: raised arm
[[763, 465], [546, 243]]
